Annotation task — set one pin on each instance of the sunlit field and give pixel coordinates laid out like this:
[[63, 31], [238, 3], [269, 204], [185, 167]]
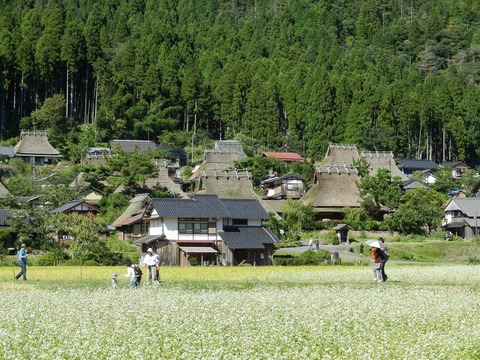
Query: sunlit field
[[422, 312]]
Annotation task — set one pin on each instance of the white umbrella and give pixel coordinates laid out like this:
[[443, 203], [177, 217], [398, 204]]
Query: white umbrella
[[375, 244]]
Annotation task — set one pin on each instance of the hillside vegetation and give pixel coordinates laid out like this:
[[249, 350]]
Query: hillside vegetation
[[279, 74]]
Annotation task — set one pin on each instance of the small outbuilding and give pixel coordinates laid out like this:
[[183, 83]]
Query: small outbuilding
[[342, 233]]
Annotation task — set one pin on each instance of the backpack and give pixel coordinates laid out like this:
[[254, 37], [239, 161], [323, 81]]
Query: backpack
[[137, 271]]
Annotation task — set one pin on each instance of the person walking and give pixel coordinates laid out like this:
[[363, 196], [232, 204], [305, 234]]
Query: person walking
[[22, 262], [134, 273], [378, 259], [310, 244], [150, 262], [157, 279], [385, 259]]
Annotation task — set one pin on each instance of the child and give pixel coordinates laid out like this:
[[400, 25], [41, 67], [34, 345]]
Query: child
[[115, 281], [134, 273]]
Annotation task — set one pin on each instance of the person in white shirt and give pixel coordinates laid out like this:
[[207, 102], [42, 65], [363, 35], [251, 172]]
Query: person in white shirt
[[151, 265], [134, 279]]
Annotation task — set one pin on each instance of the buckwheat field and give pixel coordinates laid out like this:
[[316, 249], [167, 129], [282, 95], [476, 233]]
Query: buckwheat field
[[243, 313]]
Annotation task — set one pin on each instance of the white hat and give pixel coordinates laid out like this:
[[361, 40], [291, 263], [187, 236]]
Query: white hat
[[149, 250]]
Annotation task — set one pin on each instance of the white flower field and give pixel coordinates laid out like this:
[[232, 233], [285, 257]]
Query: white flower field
[[277, 313]]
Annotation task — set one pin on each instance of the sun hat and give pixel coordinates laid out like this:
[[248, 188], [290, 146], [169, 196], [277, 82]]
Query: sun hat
[[149, 250]]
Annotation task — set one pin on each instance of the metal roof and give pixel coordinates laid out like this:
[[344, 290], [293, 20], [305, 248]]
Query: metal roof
[[198, 249], [149, 239], [248, 238]]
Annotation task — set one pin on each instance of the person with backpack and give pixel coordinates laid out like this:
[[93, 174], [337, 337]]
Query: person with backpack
[[134, 273]]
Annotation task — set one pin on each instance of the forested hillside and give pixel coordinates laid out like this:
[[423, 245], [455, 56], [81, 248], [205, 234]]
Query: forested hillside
[[290, 74]]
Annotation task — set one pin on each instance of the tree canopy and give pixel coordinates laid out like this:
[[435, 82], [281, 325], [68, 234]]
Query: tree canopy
[[295, 75]]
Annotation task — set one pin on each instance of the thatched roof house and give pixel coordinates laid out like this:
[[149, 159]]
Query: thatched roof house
[[333, 192], [34, 148], [338, 154], [164, 180], [382, 160]]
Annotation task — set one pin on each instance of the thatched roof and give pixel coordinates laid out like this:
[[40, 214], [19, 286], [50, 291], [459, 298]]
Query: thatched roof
[[232, 146], [164, 180], [228, 187], [138, 205], [35, 143], [382, 160], [79, 182], [333, 191], [340, 155]]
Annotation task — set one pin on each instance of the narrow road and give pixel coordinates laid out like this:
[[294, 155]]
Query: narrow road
[[342, 250]]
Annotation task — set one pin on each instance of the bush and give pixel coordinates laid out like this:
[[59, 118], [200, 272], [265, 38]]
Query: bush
[[309, 257], [52, 258]]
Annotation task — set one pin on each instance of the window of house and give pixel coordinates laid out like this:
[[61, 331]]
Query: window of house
[[193, 226], [239, 222]]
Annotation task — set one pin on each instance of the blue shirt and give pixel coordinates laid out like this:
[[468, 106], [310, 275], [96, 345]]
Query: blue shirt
[[22, 255]]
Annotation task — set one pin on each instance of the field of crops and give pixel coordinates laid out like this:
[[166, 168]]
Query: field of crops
[[243, 313]]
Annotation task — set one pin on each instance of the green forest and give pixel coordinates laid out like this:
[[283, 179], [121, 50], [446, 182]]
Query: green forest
[[293, 75]]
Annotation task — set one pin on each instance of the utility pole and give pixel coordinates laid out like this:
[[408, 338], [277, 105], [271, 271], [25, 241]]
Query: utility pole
[[194, 130]]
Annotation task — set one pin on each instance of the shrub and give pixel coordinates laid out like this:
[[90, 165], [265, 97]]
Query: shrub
[[52, 258], [309, 257]]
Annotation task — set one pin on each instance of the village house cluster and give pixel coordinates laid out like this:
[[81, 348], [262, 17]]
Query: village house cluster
[[221, 220]]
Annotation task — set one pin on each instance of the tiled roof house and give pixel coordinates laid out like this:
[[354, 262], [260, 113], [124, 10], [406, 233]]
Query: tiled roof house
[[210, 230]]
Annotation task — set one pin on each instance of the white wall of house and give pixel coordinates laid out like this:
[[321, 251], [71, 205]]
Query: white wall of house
[[169, 227]]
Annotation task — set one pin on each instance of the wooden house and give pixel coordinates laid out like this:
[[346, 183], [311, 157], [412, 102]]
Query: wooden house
[[288, 186], [80, 207], [334, 190], [85, 190], [458, 168], [462, 217], [131, 223], [206, 230], [34, 148], [409, 166], [382, 160]]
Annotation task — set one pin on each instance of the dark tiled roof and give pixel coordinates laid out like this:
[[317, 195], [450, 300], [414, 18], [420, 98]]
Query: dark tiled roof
[[71, 205], [415, 164], [245, 209], [6, 150], [129, 146], [199, 206], [248, 238], [4, 221]]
